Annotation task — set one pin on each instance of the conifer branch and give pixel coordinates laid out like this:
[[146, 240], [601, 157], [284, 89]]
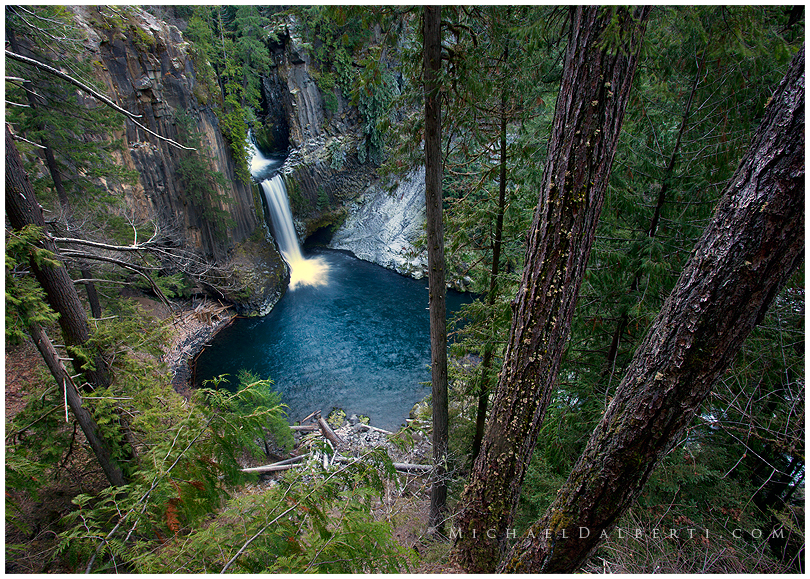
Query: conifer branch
[[95, 94], [276, 519], [146, 495]]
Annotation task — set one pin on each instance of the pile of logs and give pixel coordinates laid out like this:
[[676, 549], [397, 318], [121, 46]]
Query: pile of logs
[[316, 423]]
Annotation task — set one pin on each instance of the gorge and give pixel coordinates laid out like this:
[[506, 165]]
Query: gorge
[[347, 333], [239, 191]]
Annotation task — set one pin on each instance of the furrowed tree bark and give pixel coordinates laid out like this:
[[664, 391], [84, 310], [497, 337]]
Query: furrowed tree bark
[[435, 242], [589, 113], [746, 255], [22, 209]]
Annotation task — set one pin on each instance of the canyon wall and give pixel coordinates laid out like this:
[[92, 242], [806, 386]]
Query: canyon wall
[[385, 227], [147, 70], [328, 186]]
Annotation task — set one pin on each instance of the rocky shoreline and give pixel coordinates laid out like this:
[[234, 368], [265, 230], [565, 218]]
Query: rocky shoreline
[[194, 325]]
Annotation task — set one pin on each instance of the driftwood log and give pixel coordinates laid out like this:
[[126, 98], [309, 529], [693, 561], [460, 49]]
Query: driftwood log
[[277, 466], [399, 466], [327, 430], [374, 428], [304, 427]]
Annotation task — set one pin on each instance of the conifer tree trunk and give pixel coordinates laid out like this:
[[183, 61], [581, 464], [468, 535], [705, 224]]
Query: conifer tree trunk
[[590, 109], [22, 209], [746, 255], [435, 242], [101, 448]]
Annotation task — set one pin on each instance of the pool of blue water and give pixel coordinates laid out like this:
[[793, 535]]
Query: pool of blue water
[[359, 342]]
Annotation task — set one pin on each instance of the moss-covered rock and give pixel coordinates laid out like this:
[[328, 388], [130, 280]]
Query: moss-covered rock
[[336, 417], [259, 273]]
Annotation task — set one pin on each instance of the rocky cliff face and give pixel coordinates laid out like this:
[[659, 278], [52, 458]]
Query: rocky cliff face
[[386, 227], [322, 172], [328, 186], [147, 70]]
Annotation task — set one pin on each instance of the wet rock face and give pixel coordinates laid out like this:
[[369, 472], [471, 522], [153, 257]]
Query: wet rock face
[[384, 227], [275, 133], [144, 66], [261, 275]]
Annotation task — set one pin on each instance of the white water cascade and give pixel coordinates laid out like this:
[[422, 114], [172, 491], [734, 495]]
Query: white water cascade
[[303, 271]]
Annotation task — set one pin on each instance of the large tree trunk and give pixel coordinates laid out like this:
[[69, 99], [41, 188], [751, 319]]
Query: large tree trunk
[[435, 242], [22, 209], [590, 109], [748, 252]]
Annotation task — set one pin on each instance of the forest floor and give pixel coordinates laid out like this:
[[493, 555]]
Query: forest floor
[[32, 539], [30, 543]]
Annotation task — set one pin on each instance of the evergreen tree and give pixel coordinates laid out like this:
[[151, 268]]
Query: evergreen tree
[[749, 251], [435, 241], [697, 105], [600, 62], [23, 211], [496, 83]]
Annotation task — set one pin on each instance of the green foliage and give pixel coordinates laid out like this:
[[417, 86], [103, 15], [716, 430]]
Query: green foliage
[[80, 136], [337, 154], [298, 203], [174, 285], [374, 98], [25, 298], [312, 520], [276, 426], [339, 39], [323, 199], [230, 48], [675, 158], [189, 460]]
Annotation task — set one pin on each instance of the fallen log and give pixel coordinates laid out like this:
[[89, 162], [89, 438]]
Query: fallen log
[[399, 466], [375, 429], [327, 430], [276, 466], [304, 427], [408, 467], [269, 468], [317, 412]]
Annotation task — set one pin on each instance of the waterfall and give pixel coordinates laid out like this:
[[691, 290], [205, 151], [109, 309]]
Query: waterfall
[[302, 271], [275, 193]]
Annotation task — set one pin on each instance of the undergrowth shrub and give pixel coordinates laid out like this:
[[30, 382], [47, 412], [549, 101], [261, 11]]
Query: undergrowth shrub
[[312, 520]]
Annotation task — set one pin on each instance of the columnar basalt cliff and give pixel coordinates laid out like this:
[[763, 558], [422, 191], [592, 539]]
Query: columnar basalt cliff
[[322, 171], [147, 70]]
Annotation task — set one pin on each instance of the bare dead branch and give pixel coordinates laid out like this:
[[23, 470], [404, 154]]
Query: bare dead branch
[[95, 94]]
